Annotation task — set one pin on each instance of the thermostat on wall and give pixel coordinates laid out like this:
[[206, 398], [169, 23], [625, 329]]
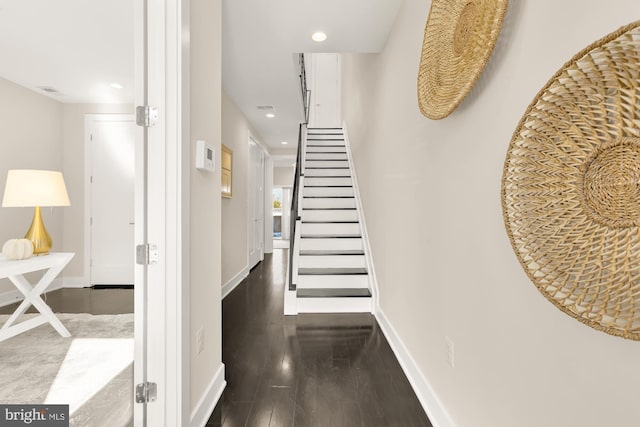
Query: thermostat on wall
[[205, 158]]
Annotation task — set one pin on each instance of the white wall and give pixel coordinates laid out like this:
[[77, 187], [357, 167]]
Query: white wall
[[31, 137], [283, 176], [431, 196], [235, 135], [204, 222], [56, 142]]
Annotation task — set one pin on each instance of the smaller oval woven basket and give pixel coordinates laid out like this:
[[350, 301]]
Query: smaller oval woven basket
[[458, 40], [571, 186]]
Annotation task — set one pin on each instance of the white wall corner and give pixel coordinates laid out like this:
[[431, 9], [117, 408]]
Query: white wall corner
[[234, 282], [209, 400], [428, 398]]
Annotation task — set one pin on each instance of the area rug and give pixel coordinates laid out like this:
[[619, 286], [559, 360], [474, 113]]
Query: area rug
[[40, 366]]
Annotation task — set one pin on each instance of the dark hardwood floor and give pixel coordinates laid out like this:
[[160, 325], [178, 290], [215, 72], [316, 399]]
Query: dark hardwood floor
[[311, 370], [316, 370], [84, 300]]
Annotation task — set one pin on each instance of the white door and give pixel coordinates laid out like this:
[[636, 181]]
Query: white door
[[325, 90], [256, 203], [111, 184]]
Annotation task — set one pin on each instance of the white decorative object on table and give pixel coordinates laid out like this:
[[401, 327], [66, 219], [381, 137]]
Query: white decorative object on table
[[17, 249]]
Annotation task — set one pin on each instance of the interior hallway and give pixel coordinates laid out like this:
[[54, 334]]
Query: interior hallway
[[324, 370]]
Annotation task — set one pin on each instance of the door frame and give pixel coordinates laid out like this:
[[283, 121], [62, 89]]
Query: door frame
[[266, 202], [89, 121], [162, 57]]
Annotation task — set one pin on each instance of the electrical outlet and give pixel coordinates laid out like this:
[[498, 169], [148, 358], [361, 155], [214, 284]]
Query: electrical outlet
[[199, 340], [450, 352]]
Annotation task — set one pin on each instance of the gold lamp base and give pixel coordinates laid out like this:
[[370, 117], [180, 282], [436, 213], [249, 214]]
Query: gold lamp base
[[38, 234]]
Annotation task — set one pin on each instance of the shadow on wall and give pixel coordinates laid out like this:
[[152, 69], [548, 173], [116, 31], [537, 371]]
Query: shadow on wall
[[498, 56]]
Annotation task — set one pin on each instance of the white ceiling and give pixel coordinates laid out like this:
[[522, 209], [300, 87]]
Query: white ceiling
[[79, 47], [261, 40]]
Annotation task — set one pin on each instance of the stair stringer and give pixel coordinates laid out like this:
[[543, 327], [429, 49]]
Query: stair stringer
[[373, 282]]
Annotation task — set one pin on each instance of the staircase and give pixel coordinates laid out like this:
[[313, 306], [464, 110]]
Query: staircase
[[329, 269]]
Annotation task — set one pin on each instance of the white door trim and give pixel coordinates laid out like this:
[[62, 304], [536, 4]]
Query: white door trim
[[89, 121], [167, 291], [268, 204]]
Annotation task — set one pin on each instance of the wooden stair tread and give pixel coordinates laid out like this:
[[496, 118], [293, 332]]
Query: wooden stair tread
[[332, 271]]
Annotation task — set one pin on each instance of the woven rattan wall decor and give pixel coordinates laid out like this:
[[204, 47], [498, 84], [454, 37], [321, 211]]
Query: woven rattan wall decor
[[458, 40], [571, 186]]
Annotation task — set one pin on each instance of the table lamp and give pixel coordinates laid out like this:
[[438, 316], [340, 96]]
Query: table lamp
[[35, 188]]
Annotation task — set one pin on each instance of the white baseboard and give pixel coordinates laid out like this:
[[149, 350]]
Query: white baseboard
[[235, 281], [428, 398], [68, 282], [207, 403], [10, 297]]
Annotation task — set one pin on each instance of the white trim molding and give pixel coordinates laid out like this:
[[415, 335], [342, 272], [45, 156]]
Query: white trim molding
[[69, 282], [427, 396], [200, 415], [234, 282]]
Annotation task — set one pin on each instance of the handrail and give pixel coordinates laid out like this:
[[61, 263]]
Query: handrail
[[294, 207], [306, 93]]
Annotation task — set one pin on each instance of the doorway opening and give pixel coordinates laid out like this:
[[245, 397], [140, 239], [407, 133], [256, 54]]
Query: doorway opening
[[281, 208]]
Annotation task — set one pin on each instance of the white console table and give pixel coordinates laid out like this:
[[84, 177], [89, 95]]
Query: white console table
[[14, 270]]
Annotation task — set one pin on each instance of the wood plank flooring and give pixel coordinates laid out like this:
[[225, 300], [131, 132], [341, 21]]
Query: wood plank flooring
[[315, 370], [84, 300]]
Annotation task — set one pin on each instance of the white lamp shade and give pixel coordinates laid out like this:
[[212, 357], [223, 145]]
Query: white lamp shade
[[35, 188]]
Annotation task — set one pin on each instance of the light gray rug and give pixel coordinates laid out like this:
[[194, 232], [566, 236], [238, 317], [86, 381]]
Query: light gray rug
[[92, 370]]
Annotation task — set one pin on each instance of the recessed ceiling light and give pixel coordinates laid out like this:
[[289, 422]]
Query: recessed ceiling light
[[116, 85], [270, 115], [319, 36], [284, 143]]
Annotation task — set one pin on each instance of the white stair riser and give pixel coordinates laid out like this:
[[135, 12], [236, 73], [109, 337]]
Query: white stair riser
[[328, 182], [333, 305], [327, 164], [327, 149], [330, 229], [329, 215], [312, 133], [326, 142], [319, 244], [332, 261], [327, 192], [330, 281], [326, 156], [310, 173], [328, 203]]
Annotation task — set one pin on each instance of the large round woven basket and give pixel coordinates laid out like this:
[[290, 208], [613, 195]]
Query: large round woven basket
[[571, 186], [458, 40]]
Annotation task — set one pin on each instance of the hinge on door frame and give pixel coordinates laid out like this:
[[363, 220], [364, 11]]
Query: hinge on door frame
[[146, 254], [146, 116], [146, 392]]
